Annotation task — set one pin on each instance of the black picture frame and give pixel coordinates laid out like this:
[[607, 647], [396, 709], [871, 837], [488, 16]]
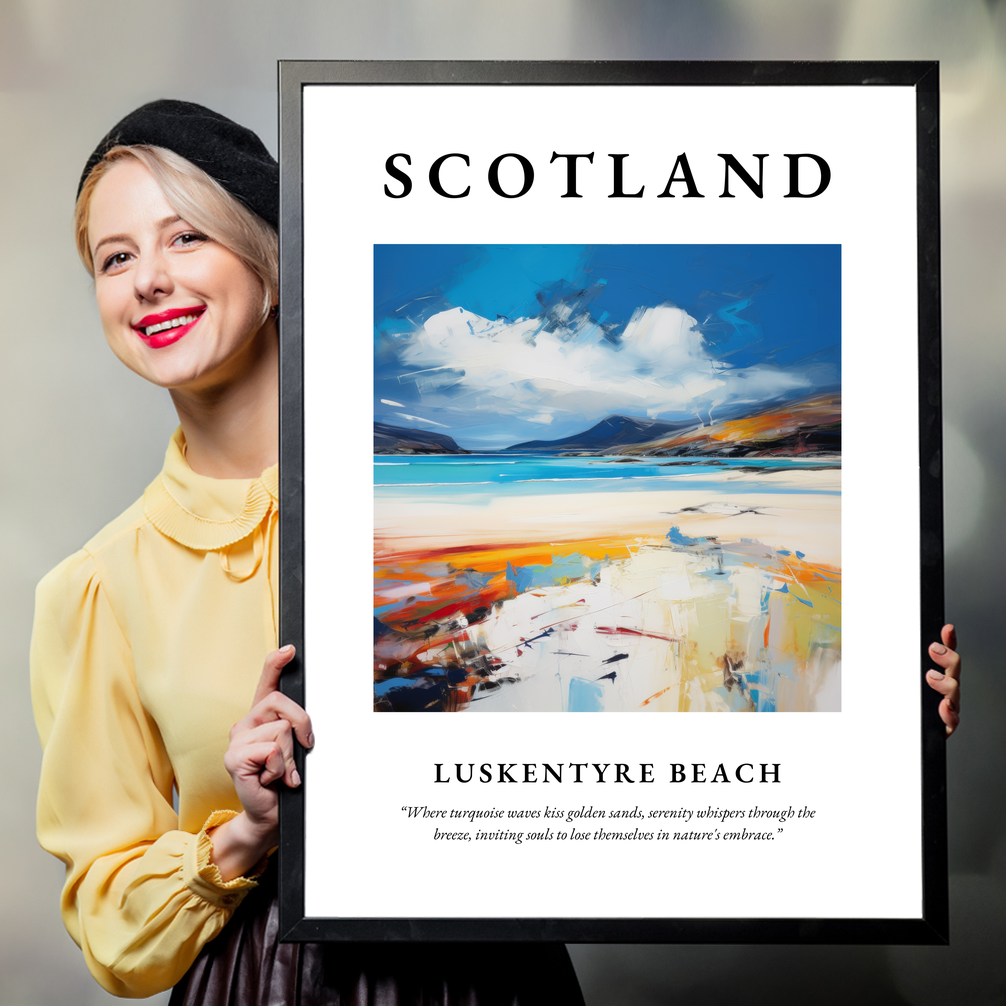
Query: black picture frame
[[931, 927]]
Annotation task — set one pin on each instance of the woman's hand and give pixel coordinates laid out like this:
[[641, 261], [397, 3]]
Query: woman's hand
[[948, 681], [260, 753]]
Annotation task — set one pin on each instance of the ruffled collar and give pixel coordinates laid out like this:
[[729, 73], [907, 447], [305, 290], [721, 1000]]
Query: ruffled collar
[[203, 513]]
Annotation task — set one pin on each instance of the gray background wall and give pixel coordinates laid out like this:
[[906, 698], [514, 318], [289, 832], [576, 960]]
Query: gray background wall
[[82, 436]]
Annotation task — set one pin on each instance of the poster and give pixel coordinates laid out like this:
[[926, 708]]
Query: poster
[[609, 406]]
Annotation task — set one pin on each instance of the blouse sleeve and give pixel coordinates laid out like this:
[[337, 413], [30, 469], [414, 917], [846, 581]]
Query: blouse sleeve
[[141, 898]]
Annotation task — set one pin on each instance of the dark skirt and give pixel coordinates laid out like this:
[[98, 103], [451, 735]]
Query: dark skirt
[[246, 965]]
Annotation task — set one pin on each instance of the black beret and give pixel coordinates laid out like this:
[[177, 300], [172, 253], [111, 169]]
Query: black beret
[[230, 154]]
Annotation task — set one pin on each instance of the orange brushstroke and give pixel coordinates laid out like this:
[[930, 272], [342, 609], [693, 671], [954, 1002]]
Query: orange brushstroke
[[441, 595], [657, 695]]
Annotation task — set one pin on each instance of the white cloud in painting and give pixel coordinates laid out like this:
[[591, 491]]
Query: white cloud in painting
[[517, 368]]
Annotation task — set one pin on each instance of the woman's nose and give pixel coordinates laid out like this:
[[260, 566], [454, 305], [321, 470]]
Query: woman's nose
[[152, 277]]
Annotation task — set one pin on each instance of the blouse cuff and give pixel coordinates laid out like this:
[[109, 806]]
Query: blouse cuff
[[202, 876]]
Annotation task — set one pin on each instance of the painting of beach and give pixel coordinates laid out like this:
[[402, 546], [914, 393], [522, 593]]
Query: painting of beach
[[607, 478]]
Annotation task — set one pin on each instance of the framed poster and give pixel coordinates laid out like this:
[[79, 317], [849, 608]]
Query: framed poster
[[612, 389]]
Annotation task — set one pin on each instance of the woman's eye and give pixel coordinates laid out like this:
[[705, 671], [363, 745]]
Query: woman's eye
[[190, 238], [114, 261]]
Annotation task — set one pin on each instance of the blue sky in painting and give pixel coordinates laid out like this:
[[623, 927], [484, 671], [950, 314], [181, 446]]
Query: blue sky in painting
[[494, 345]]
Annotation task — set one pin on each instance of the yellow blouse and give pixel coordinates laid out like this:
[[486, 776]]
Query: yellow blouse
[[147, 647]]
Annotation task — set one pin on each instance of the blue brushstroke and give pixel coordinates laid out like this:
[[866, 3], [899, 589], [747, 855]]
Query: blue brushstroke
[[563, 569], [745, 332], [784, 589], [392, 684], [585, 696], [534, 639], [472, 579], [676, 537]]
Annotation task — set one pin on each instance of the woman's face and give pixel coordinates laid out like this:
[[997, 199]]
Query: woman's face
[[177, 308]]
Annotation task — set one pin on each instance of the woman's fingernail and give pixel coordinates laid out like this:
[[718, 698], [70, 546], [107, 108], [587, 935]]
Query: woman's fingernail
[[938, 648], [295, 777], [310, 740], [286, 649], [937, 675]]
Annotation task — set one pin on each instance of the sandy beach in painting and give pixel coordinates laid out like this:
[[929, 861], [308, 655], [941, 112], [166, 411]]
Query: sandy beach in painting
[[721, 597]]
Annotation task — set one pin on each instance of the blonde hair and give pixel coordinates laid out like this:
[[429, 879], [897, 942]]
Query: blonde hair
[[199, 200]]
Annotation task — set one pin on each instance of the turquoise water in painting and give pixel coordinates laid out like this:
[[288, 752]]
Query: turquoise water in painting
[[493, 475]]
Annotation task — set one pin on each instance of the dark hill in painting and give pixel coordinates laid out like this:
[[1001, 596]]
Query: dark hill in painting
[[606, 437], [397, 440], [807, 426]]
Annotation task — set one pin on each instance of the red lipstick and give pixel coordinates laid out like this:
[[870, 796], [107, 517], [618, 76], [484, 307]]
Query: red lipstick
[[165, 332]]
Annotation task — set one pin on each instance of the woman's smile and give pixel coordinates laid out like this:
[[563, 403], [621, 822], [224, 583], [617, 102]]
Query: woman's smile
[[166, 327]]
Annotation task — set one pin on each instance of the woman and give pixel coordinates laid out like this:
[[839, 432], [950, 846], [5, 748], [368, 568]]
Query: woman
[[149, 642]]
